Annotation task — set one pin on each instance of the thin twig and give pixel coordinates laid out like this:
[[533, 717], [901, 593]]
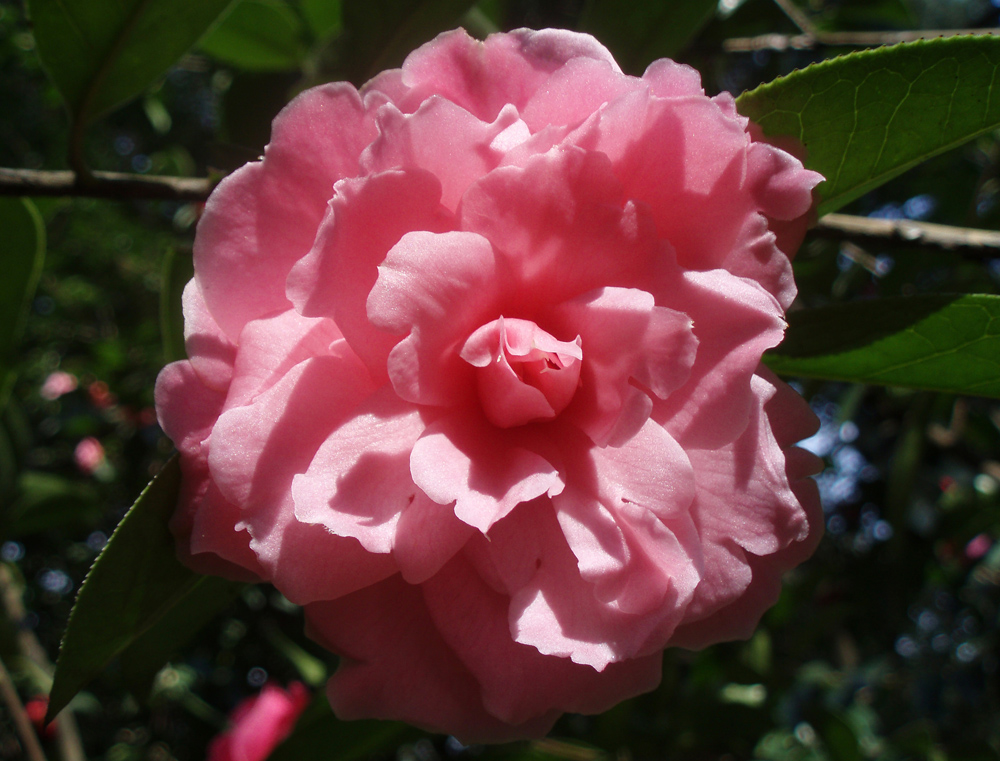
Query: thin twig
[[808, 41], [30, 743], [865, 230], [796, 15], [34, 182], [12, 606]]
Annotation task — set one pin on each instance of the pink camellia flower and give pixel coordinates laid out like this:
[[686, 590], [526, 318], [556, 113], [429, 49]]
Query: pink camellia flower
[[89, 455], [260, 723], [475, 377], [57, 384]]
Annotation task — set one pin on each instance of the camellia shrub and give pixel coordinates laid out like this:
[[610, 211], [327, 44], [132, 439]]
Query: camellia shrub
[[495, 364]]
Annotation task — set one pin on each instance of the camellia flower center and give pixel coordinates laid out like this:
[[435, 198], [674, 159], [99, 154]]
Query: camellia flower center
[[523, 373]]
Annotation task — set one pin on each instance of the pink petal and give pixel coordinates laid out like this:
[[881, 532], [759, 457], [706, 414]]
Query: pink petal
[[509, 555], [576, 91], [359, 485], [707, 155], [758, 515], [215, 531], [204, 528], [359, 481], [259, 448], [668, 79], [625, 337], [262, 218], [386, 86], [212, 353], [271, 346], [186, 407], [336, 276], [719, 168], [560, 226], [757, 257], [438, 288], [483, 77], [484, 470], [519, 683], [743, 491], [427, 536], [783, 194], [259, 724], [735, 321], [399, 667], [310, 563], [789, 415], [414, 142], [523, 374], [726, 576], [739, 619], [557, 612], [628, 523], [782, 187], [650, 471]]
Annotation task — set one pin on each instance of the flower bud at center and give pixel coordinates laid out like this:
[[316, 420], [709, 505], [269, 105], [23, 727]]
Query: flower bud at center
[[523, 373]]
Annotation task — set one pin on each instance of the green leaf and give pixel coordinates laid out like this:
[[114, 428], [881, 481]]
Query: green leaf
[[864, 118], [50, 502], [640, 32], [258, 35], [135, 584], [142, 660], [938, 343], [100, 53], [177, 270], [22, 254], [841, 740], [383, 32], [321, 736], [322, 16]]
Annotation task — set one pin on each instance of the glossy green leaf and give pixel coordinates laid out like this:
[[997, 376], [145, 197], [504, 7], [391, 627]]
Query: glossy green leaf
[[322, 16], [321, 736], [383, 32], [22, 252], [49, 502], [100, 53], [638, 33], [135, 584], [257, 35], [143, 659], [938, 343], [864, 118], [178, 269], [840, 739]]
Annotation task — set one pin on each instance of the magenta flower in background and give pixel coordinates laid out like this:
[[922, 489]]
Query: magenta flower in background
[[57, 384], [260, 723], [475, 377], [89, 455]]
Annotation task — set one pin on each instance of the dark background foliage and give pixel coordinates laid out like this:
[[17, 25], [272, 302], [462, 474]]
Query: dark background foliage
[[884, 645]]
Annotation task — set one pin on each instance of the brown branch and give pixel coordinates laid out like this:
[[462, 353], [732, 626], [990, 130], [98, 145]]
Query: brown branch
[[864, 230], [115, 185], [796, 15], [12, 608], [809, 41], [30, 743]]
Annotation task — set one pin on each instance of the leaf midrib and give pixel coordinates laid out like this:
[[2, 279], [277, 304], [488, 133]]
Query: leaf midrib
[[83, 115]]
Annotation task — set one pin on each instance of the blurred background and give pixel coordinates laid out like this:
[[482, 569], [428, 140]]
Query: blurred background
[[884, 645]]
